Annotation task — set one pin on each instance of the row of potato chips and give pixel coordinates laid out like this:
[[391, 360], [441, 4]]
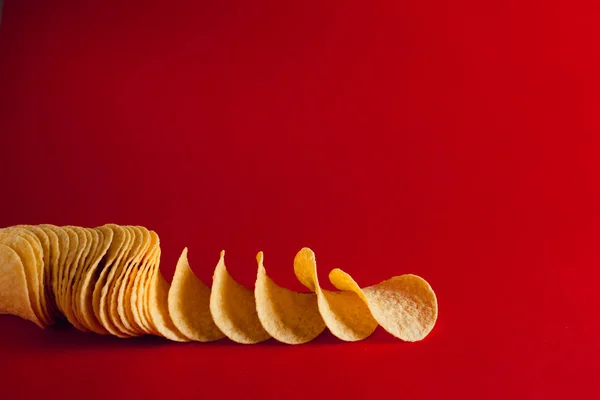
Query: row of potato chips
[[107, 280]]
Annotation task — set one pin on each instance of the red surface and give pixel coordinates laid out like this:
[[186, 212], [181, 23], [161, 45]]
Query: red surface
[[457, 140]]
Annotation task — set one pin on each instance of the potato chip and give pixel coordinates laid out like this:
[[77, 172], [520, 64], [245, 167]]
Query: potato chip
[[93, 239], [63, 252], [137, 294], [36, 244], [46, 295], [189, 304], [14, 294], [158, 307], [144, 301], [22, 245], [233, 308], [72, 254], [81, 253], [288, 316], [53, 256], [108, 280], [405, 306], [345, 314], [84, 296], [124, 308], [112, 296], [117, 250]]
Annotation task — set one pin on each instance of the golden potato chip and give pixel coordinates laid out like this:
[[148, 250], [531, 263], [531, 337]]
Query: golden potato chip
[[84, 296], [158, 307], [288, 316], [117, 250], [22, 245], [53, 256], [72, 253], [40, 267], [124, 308], [137, 292], [233, 308], [144, 300], [45, 293], [14, 295], [112, 297], [345, 314], [69, 274], [93, 239], [405, 306], [189, 304], [62, 253]]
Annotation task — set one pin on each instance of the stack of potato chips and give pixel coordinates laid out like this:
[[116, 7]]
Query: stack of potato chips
[[107, 280]]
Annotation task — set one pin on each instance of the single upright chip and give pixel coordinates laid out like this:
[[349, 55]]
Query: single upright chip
[[158, 307], [288, 316], [345, 313], [405, 306], [233, 308], [189, 304], [14, 295]]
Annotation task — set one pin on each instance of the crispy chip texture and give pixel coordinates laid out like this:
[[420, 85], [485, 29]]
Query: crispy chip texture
[[288, 316], [189, 304], [108, 280], [233, 308], [405, 306], [23, 247], [344, 313], [14, 296], [159, 308]]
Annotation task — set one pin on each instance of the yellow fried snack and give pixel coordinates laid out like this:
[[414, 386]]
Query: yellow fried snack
[[136, 251], [108, 280], [345, 313], [118, 249], [158, 307], [84, 296], [288, 316], [14, 295], [73, 253], [189, 304], [60, 244], [137, 296], [23, 247], [81, 253], [93, 241], [126, 312], [233, 308], [46, 296], [405, 306]]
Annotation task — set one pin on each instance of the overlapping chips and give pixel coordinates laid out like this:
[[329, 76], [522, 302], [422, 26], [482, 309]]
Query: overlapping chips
[[107, 280]]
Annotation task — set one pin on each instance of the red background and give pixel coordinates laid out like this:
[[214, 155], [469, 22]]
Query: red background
[[456, 140]]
